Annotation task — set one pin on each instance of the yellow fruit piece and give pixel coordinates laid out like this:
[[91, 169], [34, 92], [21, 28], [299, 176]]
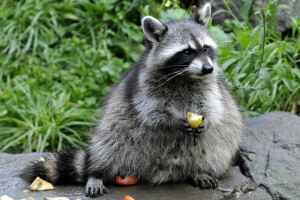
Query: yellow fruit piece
[[29, 198], [194, 120], [40, 184], [5, 197]]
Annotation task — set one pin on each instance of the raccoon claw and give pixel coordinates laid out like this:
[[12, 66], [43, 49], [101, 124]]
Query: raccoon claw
[[205, 181], [187, 126], [95, 187], [199, 131], [189, 130], [185, 123]]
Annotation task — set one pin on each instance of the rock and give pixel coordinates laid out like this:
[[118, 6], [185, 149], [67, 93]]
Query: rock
[[283, 16], [270, 156], [270, 153], [258, 194], [12, 185], [236, 186]]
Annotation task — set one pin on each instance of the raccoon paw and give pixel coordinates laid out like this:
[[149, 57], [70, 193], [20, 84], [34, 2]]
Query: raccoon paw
[[181, 124], [204, 181], [194, 131], [199, 130], [95, 187]]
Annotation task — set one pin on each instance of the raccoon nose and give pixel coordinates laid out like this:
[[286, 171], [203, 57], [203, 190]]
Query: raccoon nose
[[207, 69]]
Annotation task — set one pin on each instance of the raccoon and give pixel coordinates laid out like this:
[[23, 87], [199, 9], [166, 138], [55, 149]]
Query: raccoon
[[143, 129]]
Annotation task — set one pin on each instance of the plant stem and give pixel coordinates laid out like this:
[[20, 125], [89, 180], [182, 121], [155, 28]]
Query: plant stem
[[263, 48], [232, 14], [162, 4]]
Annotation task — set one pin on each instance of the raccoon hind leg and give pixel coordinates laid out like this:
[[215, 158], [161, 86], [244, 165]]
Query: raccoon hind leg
[[204, 181], [95, 187]]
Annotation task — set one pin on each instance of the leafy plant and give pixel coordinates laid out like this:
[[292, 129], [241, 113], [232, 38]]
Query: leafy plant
[[261, 67], [58, 60]]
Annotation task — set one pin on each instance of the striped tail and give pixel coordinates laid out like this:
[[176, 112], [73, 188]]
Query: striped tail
[[58, 168]]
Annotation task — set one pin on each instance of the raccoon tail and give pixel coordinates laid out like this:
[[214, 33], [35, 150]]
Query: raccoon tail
[[58, 168]]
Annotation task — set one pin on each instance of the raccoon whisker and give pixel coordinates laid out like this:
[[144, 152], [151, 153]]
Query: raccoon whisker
[[170, 74], [172, 66], [178, 73]]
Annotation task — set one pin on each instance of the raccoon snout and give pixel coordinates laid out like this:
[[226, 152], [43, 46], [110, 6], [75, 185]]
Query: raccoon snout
[[207, 69]]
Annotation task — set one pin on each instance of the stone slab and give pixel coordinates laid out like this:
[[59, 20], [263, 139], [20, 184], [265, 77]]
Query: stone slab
[[270, 153], [13, 186]]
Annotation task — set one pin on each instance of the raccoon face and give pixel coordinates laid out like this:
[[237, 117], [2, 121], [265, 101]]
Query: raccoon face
[[181, 47]]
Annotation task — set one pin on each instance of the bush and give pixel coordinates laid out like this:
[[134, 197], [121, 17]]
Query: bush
[[261, 66], [59, 58]]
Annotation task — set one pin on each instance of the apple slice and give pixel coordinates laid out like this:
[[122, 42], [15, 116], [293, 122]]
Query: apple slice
[[40, 184], [194, 119]]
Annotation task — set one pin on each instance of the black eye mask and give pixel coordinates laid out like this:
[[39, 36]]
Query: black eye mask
[[179, 61]]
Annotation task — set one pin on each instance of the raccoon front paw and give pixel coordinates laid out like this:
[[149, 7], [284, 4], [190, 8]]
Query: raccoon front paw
[[204, 181], [194, 131], [181, 124], [95, 187]]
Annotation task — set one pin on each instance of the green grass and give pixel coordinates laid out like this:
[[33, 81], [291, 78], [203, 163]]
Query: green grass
[[260, 65], [59, 59]]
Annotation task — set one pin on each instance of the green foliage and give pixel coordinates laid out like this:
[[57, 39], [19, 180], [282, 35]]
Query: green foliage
[[260, 65], [59, 59]]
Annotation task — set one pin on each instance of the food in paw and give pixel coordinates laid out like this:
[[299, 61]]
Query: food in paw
[[194, 119]]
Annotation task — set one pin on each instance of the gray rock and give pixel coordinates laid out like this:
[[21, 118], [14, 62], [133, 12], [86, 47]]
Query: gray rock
[[283, 16], [270, 153], [236, 186], [233, 184], [258, 194]]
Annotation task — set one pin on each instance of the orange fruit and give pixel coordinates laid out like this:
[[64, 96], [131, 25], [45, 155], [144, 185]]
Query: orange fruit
[[128, 180], [128, 198]]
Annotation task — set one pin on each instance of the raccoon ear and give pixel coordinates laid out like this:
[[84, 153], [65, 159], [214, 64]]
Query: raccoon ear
[[202, 16], [153, 28]]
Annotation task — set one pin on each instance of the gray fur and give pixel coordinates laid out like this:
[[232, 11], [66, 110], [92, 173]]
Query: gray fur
[[136, 133], [152, 28], [202, 15]]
